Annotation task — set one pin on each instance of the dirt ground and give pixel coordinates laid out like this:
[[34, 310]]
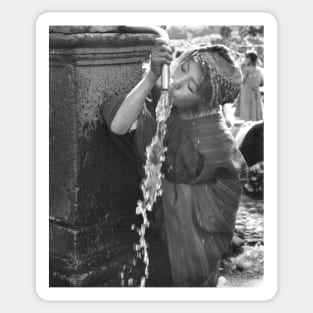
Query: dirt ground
[[245, 266], [241, 280]]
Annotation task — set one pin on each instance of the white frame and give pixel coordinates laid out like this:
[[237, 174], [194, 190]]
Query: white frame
[[269, 288]]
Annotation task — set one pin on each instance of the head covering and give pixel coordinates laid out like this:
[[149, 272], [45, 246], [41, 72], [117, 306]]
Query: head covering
[[222, 74], [253, 55]]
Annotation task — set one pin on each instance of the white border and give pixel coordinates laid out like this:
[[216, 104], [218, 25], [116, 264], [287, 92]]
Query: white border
[[268, 291]]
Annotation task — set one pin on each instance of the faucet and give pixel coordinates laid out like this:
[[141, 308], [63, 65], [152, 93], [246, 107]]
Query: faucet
[[165, 74]]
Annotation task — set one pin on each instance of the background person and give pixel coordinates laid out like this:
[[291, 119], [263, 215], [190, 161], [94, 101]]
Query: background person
[[249, 104]]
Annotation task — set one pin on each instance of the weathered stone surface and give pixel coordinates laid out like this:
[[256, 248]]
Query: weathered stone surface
[[63, 145], [97, 40], [83, 241], [101, 36], [103, 269], [98, 275], [101, 29], [80, 146], [100, 56], [79, 265], [83, 29]]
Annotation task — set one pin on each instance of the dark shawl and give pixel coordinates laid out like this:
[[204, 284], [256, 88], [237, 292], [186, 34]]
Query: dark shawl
[[204, 174]]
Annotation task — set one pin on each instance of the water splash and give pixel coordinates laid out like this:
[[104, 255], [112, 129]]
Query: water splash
[[151, 185]]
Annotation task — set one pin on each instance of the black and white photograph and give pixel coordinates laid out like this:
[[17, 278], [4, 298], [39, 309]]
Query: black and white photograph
[[157, 155]]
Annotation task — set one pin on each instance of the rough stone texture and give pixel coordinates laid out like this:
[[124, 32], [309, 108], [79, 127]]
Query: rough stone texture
[[63, 147], [80, 146], [83, 29], [82, 157], [92, 204], [96, 40], [102, 36]]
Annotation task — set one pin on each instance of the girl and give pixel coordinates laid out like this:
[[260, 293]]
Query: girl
[[249, 105], [203, 169]]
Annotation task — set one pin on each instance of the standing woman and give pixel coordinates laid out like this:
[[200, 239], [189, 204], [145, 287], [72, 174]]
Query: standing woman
[[249, 104], [203, 169]]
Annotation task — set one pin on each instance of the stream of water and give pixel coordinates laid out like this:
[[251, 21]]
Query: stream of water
[[151, 185]]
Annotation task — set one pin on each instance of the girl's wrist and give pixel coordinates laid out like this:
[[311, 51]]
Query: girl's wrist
[[152, 77]]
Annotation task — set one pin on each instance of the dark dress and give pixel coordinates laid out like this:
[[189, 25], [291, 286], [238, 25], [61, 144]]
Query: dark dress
[[204, 174]]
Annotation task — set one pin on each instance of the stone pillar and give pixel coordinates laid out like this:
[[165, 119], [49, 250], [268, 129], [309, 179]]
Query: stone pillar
[[92, 204]]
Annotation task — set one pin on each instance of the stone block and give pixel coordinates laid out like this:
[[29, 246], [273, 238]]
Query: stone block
[[92, 204]]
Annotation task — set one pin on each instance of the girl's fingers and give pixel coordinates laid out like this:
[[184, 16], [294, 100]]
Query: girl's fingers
[[162, 49], [166, 49], [161, 60], [162, 54], [167, 56], [163, 45], [160, 41]]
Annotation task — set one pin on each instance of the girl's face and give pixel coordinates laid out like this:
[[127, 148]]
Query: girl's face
[[186, 77]]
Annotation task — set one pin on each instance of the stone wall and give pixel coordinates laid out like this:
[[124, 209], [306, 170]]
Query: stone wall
[[92, 204]]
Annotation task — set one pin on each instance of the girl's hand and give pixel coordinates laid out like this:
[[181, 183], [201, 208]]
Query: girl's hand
[[161, 54]]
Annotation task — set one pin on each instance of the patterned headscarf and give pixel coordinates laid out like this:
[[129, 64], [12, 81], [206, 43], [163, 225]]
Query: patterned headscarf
[[221, 70]]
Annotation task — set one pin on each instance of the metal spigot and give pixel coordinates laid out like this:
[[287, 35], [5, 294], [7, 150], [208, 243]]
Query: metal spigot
[[165, 74]]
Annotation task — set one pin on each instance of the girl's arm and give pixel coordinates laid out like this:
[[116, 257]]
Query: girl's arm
[[133, 104], [134, 101]]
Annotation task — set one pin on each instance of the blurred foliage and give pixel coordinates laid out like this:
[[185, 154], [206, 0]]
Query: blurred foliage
[[239, 38]]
